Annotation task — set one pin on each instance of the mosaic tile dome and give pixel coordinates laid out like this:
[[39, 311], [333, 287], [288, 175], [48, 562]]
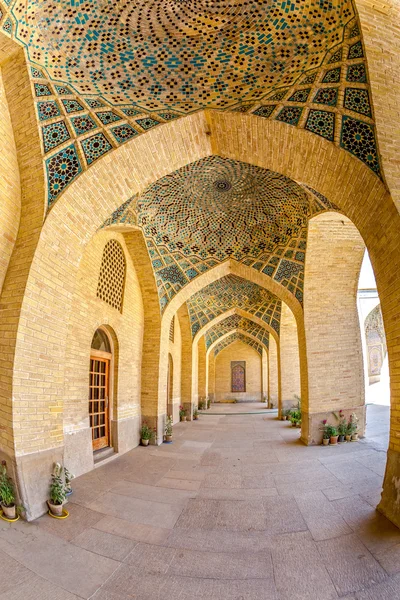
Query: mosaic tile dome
[[223, 208], [180, 54], [230, 292], [236, 336], [234, 323]]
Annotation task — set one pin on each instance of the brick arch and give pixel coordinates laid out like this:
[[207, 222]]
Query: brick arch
[[226, 335], [22, 191], [235, 311], [87, 203]]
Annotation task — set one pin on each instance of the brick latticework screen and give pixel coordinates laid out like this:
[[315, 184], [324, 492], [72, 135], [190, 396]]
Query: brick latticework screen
[[112, 275]]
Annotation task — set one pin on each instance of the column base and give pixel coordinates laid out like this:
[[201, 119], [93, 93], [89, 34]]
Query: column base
[[188, 406], [311, 423], [389, 505]]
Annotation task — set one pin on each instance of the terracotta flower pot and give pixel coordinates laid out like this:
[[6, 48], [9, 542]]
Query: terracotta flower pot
[[183, 419], [354, 437], [168, 438], [334, 439], [145, 442], [55, 509], [325, 441], [348, 438], [10, 512]]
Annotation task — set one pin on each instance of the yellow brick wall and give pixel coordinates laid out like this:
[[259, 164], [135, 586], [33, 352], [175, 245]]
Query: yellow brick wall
[[335, 251], [175, 350], [201, 368], [380, 26], [273, 371], [289, 357], [10, 187], [87, 314], [238, 351]]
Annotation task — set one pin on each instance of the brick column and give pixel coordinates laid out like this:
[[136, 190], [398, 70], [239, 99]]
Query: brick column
[[273, 372], [211, 376], [289, 359], [335, 251], [201, 388], [187, 370]]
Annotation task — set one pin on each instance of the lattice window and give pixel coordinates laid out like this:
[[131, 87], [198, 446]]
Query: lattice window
[[110, 287], [172, 329]]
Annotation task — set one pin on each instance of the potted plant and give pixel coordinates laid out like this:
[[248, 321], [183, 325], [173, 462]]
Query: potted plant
[[202, 405], [68, 477], [342, 427], [208, 400], [182, 413], [57, 491], [145, 434], [7, 493], [168, 429], [353, 426], [325, 432], [195, 414], [333, 434]]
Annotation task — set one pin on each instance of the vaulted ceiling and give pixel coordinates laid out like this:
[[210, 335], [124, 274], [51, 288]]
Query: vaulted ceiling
[[234, 323], [215, 209], [106, 71], [234, 337]]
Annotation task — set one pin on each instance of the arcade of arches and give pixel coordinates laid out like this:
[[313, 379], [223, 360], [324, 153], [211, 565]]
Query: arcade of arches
[[187, 194]]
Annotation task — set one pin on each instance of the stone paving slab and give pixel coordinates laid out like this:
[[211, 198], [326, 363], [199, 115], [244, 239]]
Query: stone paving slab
[[235, 508]]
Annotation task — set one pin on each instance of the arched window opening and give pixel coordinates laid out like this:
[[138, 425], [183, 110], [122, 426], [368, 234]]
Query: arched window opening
[[110, 287], [99, 389], [238, 372]]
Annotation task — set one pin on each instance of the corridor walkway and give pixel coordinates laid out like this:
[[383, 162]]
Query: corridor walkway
[[235, 508]]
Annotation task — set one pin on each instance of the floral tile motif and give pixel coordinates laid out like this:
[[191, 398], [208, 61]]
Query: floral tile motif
[[147, 123], [322, 123], [336, 57], [168, 116], [300, 95], [356, 73], [83, 124], [278, 96], [37, 73], [358, 138], [309, 79], [94, 102], [356, 51], [326, 96], [42, 90], [62, 90], [7, 26], [131, 112], [62, 169], [54, 135], [355, 32], [290, 115], [72, 106], [265, 111], [48, 110], [95, 146], [123, 133], [332, 76], [357, 100], [107, 117]]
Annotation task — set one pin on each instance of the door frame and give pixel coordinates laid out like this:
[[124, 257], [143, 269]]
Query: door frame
[[110, 356]]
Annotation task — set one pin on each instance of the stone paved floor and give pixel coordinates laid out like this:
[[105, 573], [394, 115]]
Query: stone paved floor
[[235, 508]]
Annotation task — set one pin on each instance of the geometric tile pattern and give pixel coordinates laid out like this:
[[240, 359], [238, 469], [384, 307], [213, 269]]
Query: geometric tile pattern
[[233, 292], [234, 337], [321, 122], [54, 135], [89, 60], [358, 138], [215, 209], [236, 322], [357, 100], [95, 146], [62, 168]]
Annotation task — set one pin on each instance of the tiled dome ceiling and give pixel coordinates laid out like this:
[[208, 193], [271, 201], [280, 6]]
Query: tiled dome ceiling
[[231, 292], [215, 209], [236, 336], [234, 323], [181, 54]]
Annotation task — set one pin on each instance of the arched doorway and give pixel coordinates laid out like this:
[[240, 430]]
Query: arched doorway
[[99, 389], [170, 385]]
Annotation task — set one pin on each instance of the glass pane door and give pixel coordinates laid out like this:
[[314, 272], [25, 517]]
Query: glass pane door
[[98, 402]]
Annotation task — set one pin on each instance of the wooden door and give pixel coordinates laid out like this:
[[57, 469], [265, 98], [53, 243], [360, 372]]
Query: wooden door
[[98, 401]]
